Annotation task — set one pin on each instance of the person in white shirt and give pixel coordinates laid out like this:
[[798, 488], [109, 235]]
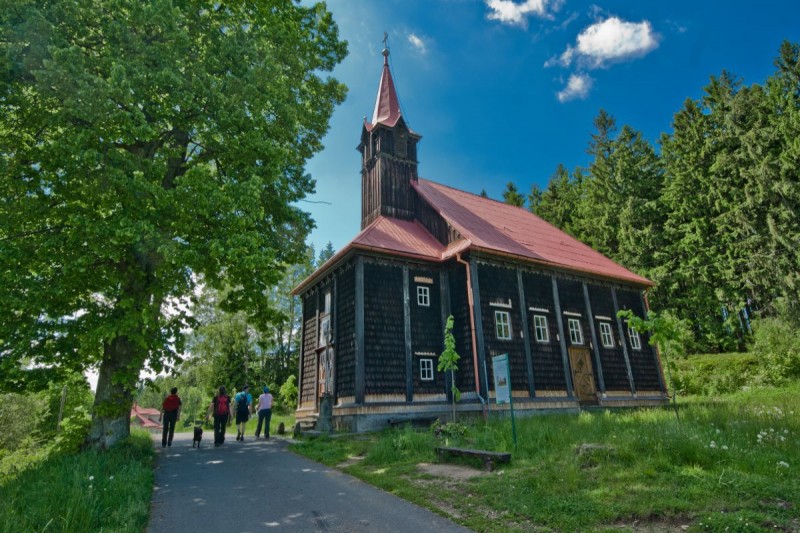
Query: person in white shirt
[[264, 412]]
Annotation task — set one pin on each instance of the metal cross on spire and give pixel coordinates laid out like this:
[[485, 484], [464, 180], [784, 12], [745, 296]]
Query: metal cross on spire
[[385, 39]]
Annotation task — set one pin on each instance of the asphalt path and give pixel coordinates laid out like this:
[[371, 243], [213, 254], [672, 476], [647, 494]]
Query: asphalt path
[[259, 485]]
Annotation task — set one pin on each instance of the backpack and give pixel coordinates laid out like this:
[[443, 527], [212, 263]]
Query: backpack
[[241, 404], [221, 405]]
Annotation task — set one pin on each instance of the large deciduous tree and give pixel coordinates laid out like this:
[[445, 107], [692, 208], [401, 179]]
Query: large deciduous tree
[[143, 144]]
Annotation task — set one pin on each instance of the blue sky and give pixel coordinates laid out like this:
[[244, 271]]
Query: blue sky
[[506, 90]]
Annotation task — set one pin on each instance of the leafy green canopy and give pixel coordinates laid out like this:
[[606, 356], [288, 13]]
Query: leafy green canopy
[[144, 144]]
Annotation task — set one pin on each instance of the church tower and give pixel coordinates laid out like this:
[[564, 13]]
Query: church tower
[[388, 156]]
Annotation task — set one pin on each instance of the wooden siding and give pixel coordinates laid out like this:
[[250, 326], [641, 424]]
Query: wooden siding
[[431, 220], [498, 284], [459, 307], [308, 371], [386, 175], [427, 331], [345, 332], [384, 333], [548, 364], [615, 371], [643, 362], [570, 293]]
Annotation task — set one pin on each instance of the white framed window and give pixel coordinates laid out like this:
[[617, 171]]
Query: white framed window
[[423, 296], [540, 328], [426, 369], [636, 341], [606, 335], [575, 331], [502, 325]]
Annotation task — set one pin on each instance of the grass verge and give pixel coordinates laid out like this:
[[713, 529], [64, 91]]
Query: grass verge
[[90, 491], [728, 464]]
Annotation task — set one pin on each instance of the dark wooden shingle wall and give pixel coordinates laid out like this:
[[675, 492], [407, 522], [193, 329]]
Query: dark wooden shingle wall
[[498, 285], [308, 378], [345, 332], [615, 372], [427, 332], [459, 306], [548, 364], [384, 330], [643, 362]]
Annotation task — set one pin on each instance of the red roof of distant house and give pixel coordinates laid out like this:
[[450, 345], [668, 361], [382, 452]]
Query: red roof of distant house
[[485, 225], [137, 409], [143, 414]]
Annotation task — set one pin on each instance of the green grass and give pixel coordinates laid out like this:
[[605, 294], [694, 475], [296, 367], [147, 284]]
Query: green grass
[[90, 491], [709, 470]]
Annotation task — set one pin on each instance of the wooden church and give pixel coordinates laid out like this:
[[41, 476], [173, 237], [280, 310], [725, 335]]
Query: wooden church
[[374, 314]]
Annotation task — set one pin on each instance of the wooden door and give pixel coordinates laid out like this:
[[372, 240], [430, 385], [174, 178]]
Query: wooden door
[[582, 375]]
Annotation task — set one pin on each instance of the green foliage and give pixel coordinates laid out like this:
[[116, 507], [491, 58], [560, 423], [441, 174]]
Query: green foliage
[[512, 196], [712, 218], [450, 429], [73, 431], [729, 462], [15, 419], [776, 345], [31, 430], [448, 361], [141, 159], [715, 374], [89, 491], [289, 393]]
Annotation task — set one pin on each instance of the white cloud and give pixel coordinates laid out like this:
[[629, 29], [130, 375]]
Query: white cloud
[[609, 41], [418, 43], [578, 87], [514, 14]]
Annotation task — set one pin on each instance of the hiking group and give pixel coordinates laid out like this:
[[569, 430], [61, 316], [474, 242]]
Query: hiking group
[[224, 410]]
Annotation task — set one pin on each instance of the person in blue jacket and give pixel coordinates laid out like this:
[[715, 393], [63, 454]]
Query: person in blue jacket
[[243, 403]]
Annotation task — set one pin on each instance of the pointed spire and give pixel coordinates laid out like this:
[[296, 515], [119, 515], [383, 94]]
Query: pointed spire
[[387, 106]]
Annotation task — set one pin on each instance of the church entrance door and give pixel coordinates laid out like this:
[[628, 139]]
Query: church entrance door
[[582, 375]]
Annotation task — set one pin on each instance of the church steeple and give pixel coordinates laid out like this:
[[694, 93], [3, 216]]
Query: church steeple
[[387, 106], [388, 156]]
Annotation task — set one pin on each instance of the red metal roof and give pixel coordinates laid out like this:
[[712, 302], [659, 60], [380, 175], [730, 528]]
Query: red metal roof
[[401, 236], [486, 225], [501, 228], [387, 106]]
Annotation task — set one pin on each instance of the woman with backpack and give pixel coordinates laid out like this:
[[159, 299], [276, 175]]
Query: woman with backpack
[[170, 413], [244, 406], [222, 409]]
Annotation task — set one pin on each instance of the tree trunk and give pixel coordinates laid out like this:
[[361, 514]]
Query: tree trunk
[[119, 371]]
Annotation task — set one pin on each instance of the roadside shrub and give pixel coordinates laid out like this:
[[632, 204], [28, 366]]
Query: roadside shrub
[[777, 347], [288, 394], [74, 430], [714, 374]]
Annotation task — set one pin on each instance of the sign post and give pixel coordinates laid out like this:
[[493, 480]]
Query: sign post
[[502, 387]]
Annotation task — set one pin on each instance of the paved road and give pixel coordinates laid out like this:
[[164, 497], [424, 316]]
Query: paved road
[[260, 485]]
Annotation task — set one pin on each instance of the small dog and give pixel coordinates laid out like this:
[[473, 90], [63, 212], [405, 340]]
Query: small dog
[[198, 436]]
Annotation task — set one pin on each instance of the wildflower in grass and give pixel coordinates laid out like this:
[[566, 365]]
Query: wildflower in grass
[[712, 445], [783, 464], [724, 447], [91, 478]]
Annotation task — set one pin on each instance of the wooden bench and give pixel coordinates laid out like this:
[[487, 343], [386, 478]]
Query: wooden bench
[[488, 458]]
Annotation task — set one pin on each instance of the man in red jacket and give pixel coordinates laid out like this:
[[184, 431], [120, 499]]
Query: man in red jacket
[[170, 413]]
